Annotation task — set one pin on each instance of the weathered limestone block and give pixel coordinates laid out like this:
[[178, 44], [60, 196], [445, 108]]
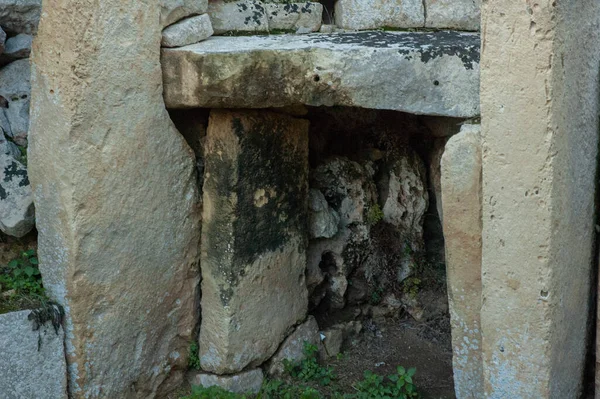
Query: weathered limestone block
[[324, 220], [172, 11], [16, 48], [15, 87], [453, 14], [188, 31], [403, 194], [116, 199], [461, 193], [540, 139], [32, 363], [372, 14], [432, 73], [253, 236], [294, 16], [238, 16], [292, 349], [17, 214], [245, 382], [20, 16]]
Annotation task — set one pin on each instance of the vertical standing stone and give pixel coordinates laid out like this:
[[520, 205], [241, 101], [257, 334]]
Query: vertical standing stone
[[253, 236], [539, 101], [461, 202], [116, 198]]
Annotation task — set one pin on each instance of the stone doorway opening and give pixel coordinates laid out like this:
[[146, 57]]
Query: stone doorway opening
[[372, 269]]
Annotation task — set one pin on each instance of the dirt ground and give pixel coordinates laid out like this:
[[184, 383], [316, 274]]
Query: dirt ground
[[407, 343]]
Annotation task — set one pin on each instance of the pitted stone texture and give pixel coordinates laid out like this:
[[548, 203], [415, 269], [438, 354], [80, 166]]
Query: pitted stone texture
[[294, 16], [15, 87], [245, 382], [539, 191], [461, 191], [16, 48], [238, 16], [17, 214], [253, 236], [324, 219], [188, 31], [373, 14], [172, 11], [32, 363], [116, 199], [292, 349], [421, 73], [453, 14], [20, 16], [403, 194]]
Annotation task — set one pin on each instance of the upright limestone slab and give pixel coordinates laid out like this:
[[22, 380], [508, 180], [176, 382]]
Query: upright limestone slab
[[253, 236], [115, 191], [539, 100], [461, 202]]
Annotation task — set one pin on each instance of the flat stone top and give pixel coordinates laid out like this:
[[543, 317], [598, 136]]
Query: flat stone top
[[371, 69]]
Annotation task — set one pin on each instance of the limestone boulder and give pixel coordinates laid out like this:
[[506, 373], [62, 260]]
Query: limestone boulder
[[15, 87], [20, 16], [17, 214], [116, 199], [238, 16], [324, 219], [373, 14], [462, 194], [188, 31], [292, 349], [305, 17], [248, 382], [426, 73], [172, 11], [16, 48], [254, 236], [403, 194], [32, 361], [453, 14]]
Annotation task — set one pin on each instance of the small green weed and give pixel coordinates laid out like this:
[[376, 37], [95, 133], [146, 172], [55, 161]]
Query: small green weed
[[277, 389], [194, 359], [212, 393], [22, 275], [309, 369], [374, 215], [376, 296], [395, 386]]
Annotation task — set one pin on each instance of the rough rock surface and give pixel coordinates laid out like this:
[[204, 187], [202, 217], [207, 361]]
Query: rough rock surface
[[32, 363], [421, 73], [461, 190], [292, 349], [294, 16], [453, 14], [254, 240], [17, 214], [16, 48], [403, 194], [20, 16], [372, 14], [8, 147], [15, 87], [435, 173], [245, 382], [238, 16], [188, 31], [116, 199], [172, 11], [324, 219], [2, 40]]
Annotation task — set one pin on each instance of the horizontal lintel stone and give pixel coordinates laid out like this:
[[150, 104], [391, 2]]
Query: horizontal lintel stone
[[428, 73]]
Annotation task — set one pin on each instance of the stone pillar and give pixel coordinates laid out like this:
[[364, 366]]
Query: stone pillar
[[539, 101], [253, 236], [116, 198], [461, 202]]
